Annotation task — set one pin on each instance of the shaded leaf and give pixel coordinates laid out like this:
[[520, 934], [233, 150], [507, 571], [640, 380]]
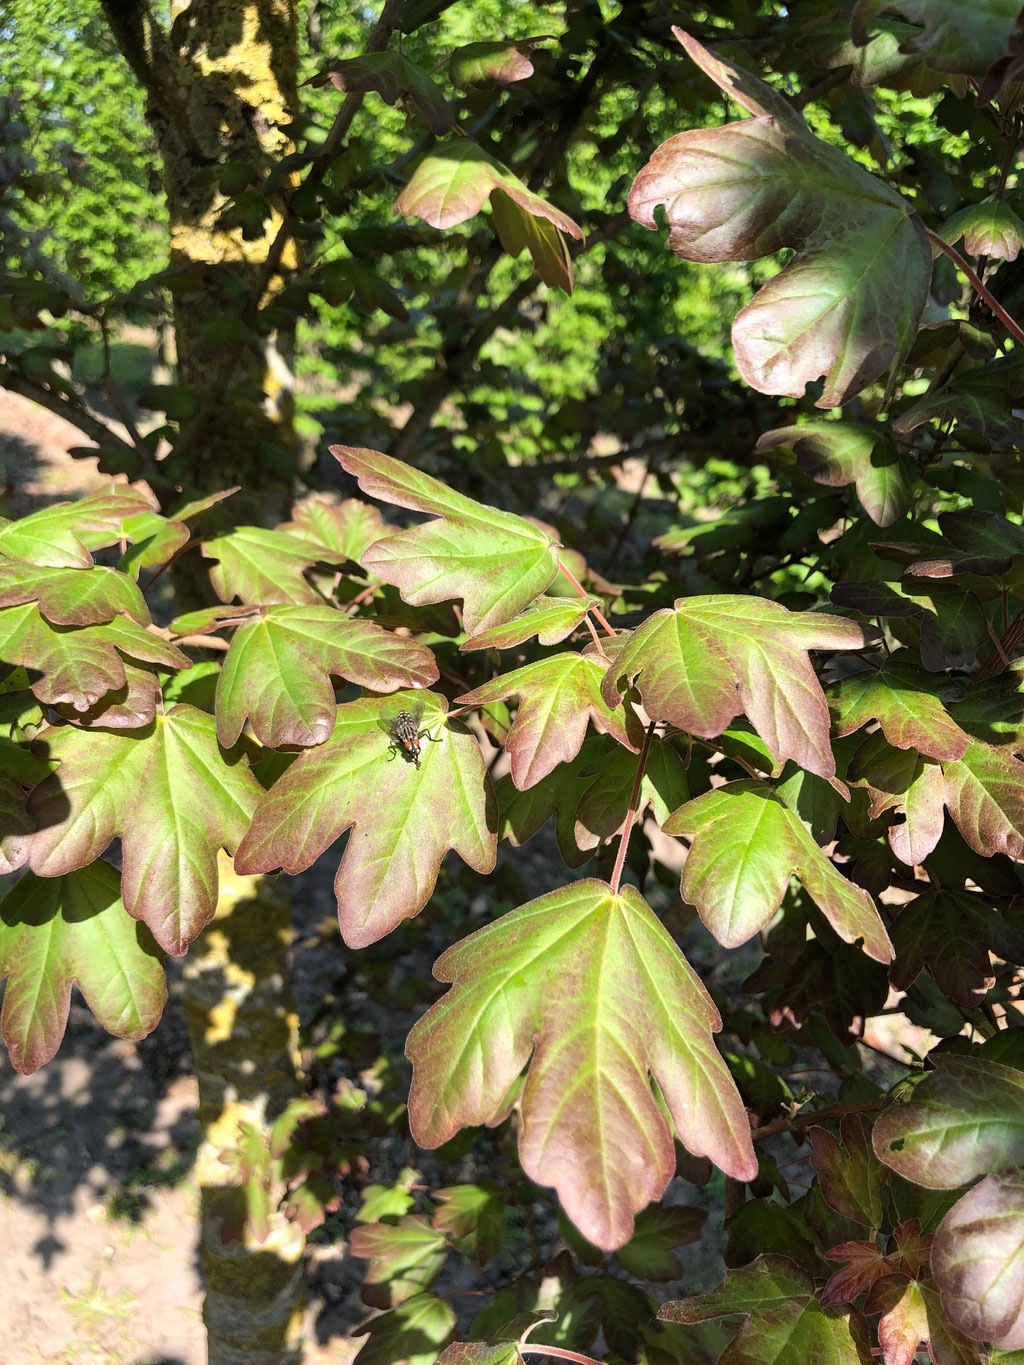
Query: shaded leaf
[[522, 813], [74, 930], [474, 1216], [978, 1261], [850, 1181], [960, 1121], [865, 1265], [648, 1255], [590, 985], [602, 809], [411, 1334], [849, 302], [124, 708], [518, 228], [486, 65], [747, 844], [392, 76], [953, 35], [495, 561], [170, 794], [990, 228], [785, 1324], [404, 819], [839, 453], [707, 659], [278, 669], [911, 1316], [905, 703], [952, 933], [404, 1257], [558, 696]]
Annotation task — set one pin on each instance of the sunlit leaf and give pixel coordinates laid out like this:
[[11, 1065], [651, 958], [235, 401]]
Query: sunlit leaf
[[954, 35], [411, 1334], [262, 567], [489, 64], [839, 453], [904, 701], [850, 1181], [63, 534], [912, 1315], [392, 76], [550, 619], [72, 597]]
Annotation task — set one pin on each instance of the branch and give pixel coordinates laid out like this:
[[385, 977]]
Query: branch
[[79, 416], [797, 1122], [1014, 328]]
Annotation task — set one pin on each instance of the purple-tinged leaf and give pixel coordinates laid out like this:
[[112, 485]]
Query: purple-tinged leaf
[[849, 302], [865, 1265], [590, 985], [963, 1120], [850, 1181], [990, 228], [483, 66], [839, 453], [278, 669], [393, 77], [785, 1324], [500, 1347], [126, 708], [169, 793], [978, 1261], [74, 930], [154, 540], [747, 844], [911, 1315], [496, 562], [403, 818], [952, 933], [457, 178], [72, 597], [344, 529], [262, 567], [558, 696], [904, 701], [707, 659], [78, 667]]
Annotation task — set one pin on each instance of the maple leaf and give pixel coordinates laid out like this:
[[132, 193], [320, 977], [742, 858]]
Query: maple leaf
[[278, 669], [78, 667], [963, 1120], [952, 933], [392, 76], [474, 1216], [785, 1324], [72, 597], [551, 619], [602, 809], [743, 191], [649, 1254], [912, 1316], [904, 702], [489, 64], [74, 930], [955, 35], [850, 1181], [522, 813], [557, 698], [496, 562], [587, 987], [737, 880], [62, 535], [403, 818], [345, 529], [261, 567], [411, 1334], [865, 1265], [839, 453], [978, 1261], [702, 662], [168, 792], [404, 1257]]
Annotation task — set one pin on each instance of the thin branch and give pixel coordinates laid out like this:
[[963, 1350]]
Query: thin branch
[[597, 614], [1013, 327], [620, 857], [797, 1122], [76, 413]]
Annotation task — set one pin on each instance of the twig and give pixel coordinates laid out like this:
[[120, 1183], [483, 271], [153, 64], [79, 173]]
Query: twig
[[796, 1122], [76, 413], [620, 857], [1013, 327], [597, 614]]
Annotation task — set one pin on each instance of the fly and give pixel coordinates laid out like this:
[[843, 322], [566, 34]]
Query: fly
[[405, 734]]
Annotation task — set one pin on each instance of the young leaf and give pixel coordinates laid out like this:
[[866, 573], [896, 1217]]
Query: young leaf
[[404, 818], [551, 619], [74, 930], [496, 562], [558, 696], [707, 659], [903, 700], [978, 1260], [865, 1265], [911, 1316], [747, 844], [262, 567], [72, 597], [963, 1120], [278, 669], [990, 228], [785, 1324], [169, 793], [78, 667], [839, 453], [392, 76], [952, 933], [61, 536], [591, 986], [850, 1181], [849, 302]]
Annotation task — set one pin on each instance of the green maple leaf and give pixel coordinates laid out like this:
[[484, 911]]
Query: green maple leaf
[[392, 76], [990, 228], [522, 813], [951, 933], [702, 662], [785, 1324], [558, 696], [849, 301], [955, 35], [77, 667], [747, 843], [551, 619], [587, 987], [169, 793], [412, 1334], [850, 1181], [486, 65], [262, 567], [61, 536], [74, 930], [839, 453], [403, 819], [978, 1261], [963, 1120], [404, 1257], [278, 669], [72, 597], [904, 702], [601, 810], [496, 562], [346, 529]]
